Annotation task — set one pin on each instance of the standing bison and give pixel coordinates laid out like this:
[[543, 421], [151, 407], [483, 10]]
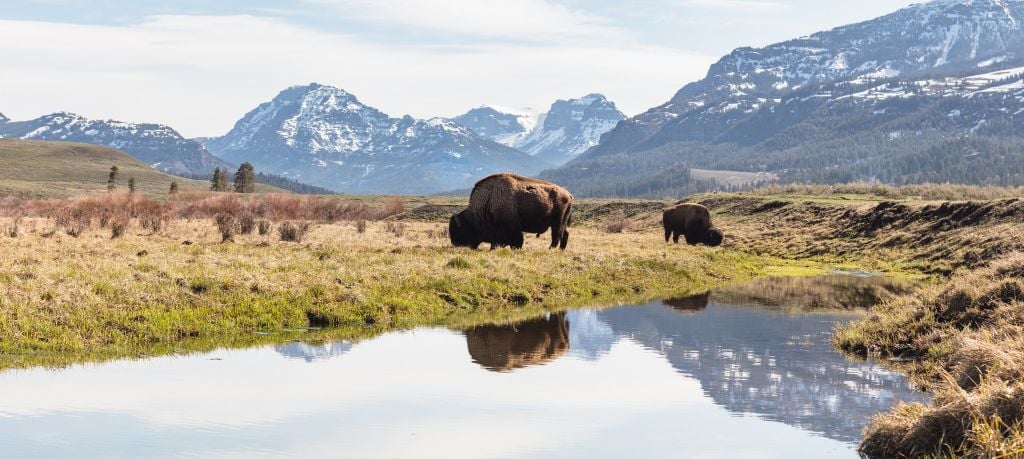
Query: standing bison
[[504, 206], [692, 221]]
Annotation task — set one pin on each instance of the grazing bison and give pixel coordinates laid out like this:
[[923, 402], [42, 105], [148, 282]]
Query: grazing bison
[[692, 221], [504, 348], [504, 206]]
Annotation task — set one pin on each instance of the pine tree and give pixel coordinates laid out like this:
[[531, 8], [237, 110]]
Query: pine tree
[[131, 185], [174, 189], [112, 179], [217, 180], [245, 179]]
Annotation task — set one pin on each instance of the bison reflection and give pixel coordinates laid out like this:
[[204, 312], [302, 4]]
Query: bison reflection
[[689, 305], [508, 347]]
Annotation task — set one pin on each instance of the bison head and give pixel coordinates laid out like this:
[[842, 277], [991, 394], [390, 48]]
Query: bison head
[[463, 231], [714, 237]]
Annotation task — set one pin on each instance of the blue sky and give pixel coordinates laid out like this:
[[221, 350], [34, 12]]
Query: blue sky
[[200, 65]]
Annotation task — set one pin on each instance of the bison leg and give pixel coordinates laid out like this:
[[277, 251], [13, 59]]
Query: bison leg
[[675, 237], [565, 239], [516, 240], [668, 234]]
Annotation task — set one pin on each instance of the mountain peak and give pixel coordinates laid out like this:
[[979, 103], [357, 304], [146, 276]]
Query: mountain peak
[[327, 137], [568, 128], [4, 119]]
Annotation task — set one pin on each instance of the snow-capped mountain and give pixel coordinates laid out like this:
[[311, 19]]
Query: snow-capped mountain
[[939, 37], [4, 119], [895, 99], [159, 146], [325, 136], [507, 126], [567, 129]]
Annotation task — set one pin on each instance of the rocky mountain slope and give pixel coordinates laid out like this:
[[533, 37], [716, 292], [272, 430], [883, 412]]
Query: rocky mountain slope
[[566, 130], [157, 145], [325, 136], [864, 101]]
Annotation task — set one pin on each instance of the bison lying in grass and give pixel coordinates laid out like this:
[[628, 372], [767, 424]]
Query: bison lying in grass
[[504, 206]]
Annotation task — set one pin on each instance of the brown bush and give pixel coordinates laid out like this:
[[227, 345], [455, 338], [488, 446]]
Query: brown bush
[[397, 229], [119, 225], [618, 225], [227, 226], [13, 228], [393, 205], [293, 232], [361, 226], [246, 223], [263, 226]]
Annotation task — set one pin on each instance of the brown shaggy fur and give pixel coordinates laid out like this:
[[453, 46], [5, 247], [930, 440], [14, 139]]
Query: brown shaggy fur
[[692, 221], [504, 206], [507, 347]]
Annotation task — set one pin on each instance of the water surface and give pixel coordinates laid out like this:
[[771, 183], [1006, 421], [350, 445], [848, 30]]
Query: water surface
[[743, 372]]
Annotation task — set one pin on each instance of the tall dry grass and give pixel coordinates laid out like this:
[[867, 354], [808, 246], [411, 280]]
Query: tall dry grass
[[926, 191]]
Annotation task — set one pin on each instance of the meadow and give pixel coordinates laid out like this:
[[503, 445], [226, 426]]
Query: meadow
[[114, 275]]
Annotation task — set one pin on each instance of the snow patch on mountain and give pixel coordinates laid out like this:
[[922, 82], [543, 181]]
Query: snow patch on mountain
[[326, 136], [565, 131]]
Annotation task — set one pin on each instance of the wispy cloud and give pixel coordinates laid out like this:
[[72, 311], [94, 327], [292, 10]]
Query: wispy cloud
[[201, 73], [754, 6], [521, 20]]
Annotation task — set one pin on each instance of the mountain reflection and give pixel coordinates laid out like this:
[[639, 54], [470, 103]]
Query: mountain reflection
[[768, 361], [754, 348], [311, 352], [507, 347]]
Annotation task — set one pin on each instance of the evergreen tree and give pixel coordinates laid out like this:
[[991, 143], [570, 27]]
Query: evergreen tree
[[131, 185], [219, 182], [112, 179], [245, 179], [174, 189]]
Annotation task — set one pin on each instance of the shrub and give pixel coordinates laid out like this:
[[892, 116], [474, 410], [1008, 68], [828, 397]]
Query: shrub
[[361, 226], [263, 226], [618, 225], [393, 205], [119, 226], [13, 229], [153, 223], [246, 224], [397, 229], [293, 232], [227, 226]]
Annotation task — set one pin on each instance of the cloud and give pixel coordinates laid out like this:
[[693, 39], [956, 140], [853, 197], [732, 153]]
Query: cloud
[[200, 74], [753, 6], [524, 20]]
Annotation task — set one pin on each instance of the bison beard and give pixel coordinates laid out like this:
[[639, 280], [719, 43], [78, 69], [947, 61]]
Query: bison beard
[[504, 206]]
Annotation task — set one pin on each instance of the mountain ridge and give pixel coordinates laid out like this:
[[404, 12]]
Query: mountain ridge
[[325, 136]]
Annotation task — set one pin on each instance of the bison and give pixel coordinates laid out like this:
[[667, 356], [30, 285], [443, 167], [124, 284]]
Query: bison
[[504, 206], [692, 221], [504, 348]]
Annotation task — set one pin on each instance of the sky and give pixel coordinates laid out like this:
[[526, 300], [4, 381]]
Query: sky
[[198, 65]]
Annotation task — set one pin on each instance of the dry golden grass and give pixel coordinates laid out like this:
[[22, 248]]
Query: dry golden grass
[[966, 342], [90, 296]]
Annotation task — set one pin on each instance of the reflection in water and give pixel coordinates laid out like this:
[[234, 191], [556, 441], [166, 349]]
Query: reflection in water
[[533, 342], [715, 375], [750, 352], [689, 305], [311, 352]]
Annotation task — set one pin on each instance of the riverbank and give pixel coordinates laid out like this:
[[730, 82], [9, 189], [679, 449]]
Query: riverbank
[[66, 299]]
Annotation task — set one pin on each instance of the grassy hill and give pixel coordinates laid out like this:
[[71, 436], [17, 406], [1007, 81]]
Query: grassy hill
[[37, 169]]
